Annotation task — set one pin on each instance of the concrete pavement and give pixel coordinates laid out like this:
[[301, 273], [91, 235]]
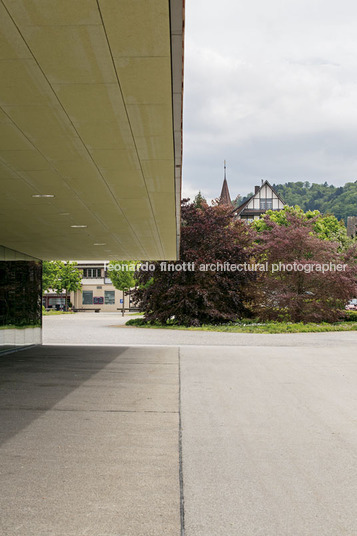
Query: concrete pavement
[[269, 441], [89, 442], [90, 435]]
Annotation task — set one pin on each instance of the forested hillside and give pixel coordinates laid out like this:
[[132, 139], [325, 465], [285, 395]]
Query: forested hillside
[[340, 201]]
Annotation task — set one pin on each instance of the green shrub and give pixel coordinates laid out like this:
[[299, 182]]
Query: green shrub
[[150, 323], [350, 316], [136, 322], [267, 327], [247, 321]]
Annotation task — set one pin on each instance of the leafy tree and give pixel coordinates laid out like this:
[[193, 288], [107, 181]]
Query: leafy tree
[[182, 290], [61, 276], [244, 198], [122, 275], [200, 200], [303, 291], [326, 226], [49, 271], [68, 278], [237, 201], [341, 201]]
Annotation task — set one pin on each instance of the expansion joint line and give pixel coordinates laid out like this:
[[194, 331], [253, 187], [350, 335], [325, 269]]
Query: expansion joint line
[[182, 500]]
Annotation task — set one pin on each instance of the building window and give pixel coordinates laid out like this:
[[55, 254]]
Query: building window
[[52, 302], [107, 279], [87, 297], [109, 297], [266, 204], [91, 273]]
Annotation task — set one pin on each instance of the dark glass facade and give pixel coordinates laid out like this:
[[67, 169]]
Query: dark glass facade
[[20, 300]]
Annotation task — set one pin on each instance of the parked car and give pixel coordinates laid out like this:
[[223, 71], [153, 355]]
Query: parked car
[[352, 305]]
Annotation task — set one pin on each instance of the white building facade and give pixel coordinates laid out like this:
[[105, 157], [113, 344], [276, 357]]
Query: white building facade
[[264, 198], [98, 292]]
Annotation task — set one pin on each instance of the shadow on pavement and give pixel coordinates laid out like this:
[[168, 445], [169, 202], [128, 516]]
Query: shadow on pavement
[[34, 380]]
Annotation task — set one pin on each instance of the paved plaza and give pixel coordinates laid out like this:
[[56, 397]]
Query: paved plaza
[[109, 328], [255, 436]]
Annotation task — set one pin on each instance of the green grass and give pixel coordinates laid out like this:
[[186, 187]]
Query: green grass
[[11, 326], [241, 327], [51, 313]]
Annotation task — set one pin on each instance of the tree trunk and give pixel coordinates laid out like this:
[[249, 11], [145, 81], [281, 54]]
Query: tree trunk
[[123, 308]]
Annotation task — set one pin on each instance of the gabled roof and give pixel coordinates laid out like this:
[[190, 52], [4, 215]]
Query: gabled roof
[[239, 209], [225, 198]]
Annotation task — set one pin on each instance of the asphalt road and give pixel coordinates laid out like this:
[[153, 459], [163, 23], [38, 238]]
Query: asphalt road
[[91, 442], [109, 328]]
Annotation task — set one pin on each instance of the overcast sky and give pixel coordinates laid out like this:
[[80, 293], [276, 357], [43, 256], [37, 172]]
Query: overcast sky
[[270, 86]]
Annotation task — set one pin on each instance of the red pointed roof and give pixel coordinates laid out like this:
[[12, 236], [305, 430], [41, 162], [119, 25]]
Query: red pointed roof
[[225, 198]]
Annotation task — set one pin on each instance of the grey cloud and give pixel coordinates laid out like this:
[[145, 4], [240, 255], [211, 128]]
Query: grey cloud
[[263, 91], [313, 62], [319, 157]]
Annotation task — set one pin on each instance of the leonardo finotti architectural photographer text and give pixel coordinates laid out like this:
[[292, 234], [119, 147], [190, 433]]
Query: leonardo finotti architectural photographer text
[[165, 266]]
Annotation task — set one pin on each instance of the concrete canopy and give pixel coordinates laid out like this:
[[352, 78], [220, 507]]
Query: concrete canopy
[[91, 114]]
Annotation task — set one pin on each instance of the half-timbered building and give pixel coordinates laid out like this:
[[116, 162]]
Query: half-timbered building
[[264, 198]]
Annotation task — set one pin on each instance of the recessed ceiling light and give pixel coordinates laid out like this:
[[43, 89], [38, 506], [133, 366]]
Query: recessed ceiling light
[[79, 226], [43, 195], [100, 244]]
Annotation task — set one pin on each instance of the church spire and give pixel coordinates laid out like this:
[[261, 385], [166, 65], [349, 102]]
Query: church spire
[[225, 198]]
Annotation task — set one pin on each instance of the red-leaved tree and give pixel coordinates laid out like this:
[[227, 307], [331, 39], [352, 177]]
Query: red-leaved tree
[[308, 279], [209, 235]]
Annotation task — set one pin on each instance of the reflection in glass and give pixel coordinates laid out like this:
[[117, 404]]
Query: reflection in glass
[[20, 299]]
